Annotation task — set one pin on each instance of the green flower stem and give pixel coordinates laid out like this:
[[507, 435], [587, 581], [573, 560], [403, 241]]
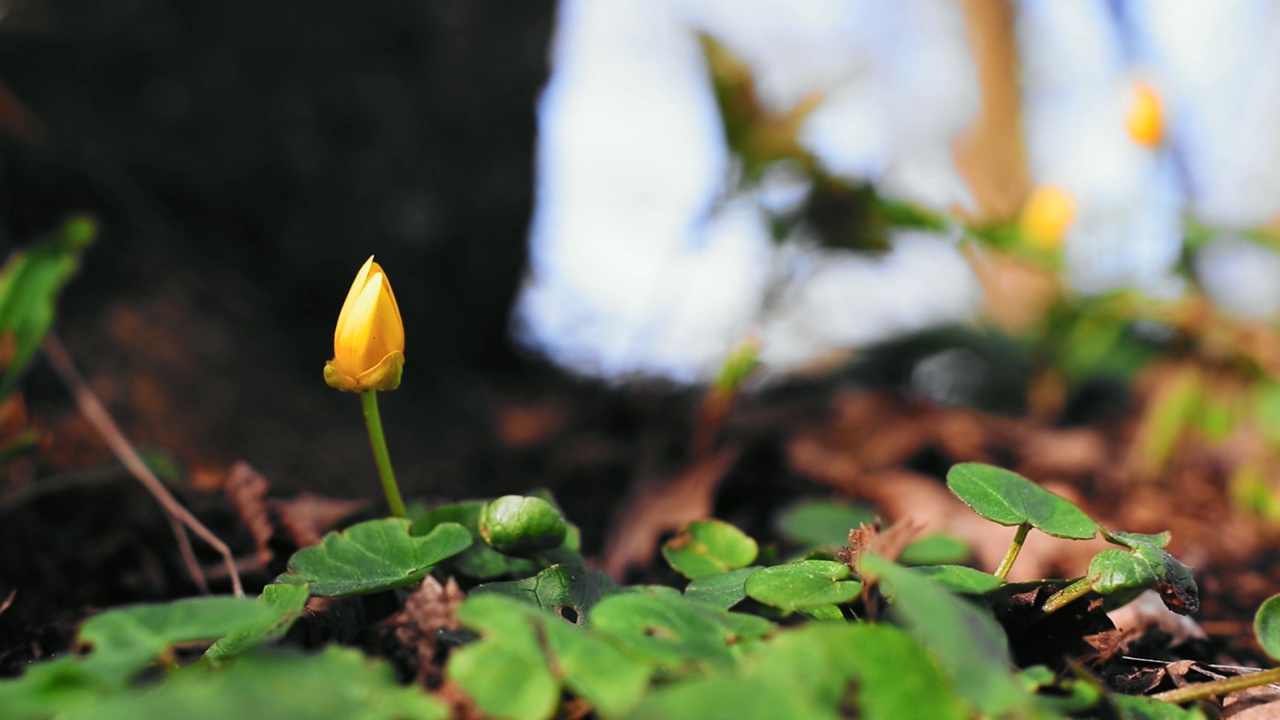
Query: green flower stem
[[379, 443], [1060, 599], [1203, 691], [1014, 548]]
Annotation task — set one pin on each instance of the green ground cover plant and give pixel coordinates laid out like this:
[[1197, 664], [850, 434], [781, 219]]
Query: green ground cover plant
[[736, 632]]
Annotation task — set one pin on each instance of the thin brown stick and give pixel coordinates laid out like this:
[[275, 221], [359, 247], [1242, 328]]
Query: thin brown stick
[[94, 411], [189, 555]]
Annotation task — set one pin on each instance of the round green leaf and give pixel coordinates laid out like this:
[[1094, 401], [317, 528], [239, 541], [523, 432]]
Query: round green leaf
[[671, 632], [937, 549], [595, 670], [337, 683], [569, 591], [970, 647], [1133, 540], [878, 670], [286, 603], [128, 639], [506, 672], [723, 590], [823, 612], [1174, 581], [722, 696], [1007, 498], [822, 524], [1149, 566], [1114, 571], [535, 654], [961, 579], [1266, 626], [371, 556], [708, 547], [803, 584]]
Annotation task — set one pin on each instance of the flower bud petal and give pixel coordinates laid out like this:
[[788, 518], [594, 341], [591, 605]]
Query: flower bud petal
[[368, 342]]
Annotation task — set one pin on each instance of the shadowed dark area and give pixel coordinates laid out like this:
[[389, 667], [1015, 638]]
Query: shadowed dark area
[[244, 159]]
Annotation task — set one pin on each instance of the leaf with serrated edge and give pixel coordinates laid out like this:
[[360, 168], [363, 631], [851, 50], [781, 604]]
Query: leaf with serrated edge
[[287, 603], [127, 639], [372, 556]]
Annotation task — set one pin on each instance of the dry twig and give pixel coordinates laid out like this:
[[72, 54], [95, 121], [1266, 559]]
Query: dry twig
[[179, 517]]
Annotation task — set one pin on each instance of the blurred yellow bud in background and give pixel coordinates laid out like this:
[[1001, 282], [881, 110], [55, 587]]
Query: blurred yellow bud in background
[[1047, 216], [368, 344], [1145, 118]]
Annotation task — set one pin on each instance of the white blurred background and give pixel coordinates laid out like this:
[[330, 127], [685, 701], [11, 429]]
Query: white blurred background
[[651, 256]]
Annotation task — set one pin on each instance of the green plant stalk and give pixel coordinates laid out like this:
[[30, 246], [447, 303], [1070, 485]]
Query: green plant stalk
[[378, 442], [1203, 691], [1060, 599], [1014, 548]]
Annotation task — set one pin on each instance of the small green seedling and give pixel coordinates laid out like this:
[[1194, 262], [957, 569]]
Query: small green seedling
[[545, 635], [1121, 576], [1007, 498]]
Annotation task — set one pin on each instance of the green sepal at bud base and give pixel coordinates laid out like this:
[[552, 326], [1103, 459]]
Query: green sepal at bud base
[[520, 525], [382, 377]]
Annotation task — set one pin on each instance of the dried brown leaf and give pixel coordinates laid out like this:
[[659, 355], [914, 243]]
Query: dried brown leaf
[[13, 417], [427, 611], [657, 507], [308, 516], [885, 543], [247, 489], [1263, 705], [521, 426], [1148, 611]]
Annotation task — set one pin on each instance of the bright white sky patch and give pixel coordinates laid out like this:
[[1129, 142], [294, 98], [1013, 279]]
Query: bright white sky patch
[[639, 265]]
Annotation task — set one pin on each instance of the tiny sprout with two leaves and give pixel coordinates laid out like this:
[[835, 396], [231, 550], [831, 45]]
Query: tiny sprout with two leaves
[[1007, 498]]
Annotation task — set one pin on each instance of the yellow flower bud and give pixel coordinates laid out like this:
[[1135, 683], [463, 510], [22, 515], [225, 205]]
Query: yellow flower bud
[[1145, 119], [368, 344], [1045, 218]]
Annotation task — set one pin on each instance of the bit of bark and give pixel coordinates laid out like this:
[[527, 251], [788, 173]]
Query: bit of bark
[[426, 612], [247, 489]]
